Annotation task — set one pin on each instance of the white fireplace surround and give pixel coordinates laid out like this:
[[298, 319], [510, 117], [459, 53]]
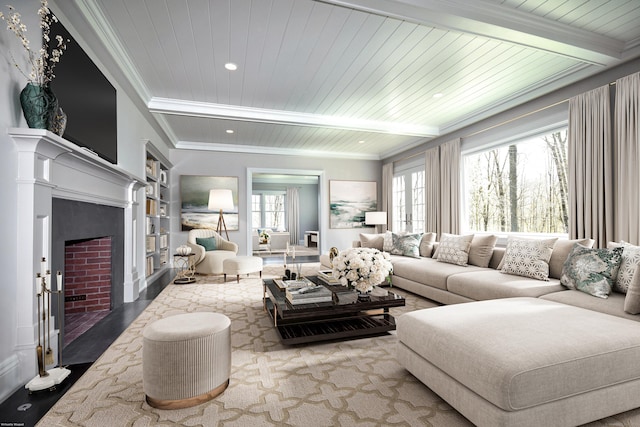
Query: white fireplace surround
[[52, 167]]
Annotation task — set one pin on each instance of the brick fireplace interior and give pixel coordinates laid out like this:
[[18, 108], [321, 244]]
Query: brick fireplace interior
[[88, 248], [87, 267]]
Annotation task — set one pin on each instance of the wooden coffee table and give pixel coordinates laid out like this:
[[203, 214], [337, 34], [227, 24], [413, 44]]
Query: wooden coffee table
[[314, 322]]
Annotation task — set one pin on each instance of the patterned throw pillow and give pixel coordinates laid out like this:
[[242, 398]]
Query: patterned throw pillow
[[387, 241], [406, 244], [592, 270], [454, 249], [528, 257], [209, 243], [630, 261]]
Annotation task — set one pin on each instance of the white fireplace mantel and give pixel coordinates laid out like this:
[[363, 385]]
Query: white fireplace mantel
[[51, 167]]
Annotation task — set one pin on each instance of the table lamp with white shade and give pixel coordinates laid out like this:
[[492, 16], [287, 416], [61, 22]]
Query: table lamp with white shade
[[375, 218]]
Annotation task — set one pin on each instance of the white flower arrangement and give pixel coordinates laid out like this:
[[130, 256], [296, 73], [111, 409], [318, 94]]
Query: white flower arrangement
[[265, 236], [362, 268], [42, 64]]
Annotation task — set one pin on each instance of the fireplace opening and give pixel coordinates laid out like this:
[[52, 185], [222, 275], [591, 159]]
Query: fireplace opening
[[88, 281]]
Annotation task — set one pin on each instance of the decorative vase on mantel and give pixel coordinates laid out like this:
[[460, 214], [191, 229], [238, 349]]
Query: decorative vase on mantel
[[39, 105]]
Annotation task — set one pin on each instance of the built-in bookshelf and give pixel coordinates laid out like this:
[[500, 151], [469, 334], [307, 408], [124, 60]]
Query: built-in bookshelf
[[157, 226]]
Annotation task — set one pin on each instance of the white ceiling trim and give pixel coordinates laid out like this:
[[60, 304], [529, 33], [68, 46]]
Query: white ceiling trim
[[262, 115], [250, 149], [499, 23]]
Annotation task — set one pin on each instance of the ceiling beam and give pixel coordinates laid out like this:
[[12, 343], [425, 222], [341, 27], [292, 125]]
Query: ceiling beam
[[181, 107], [500, 23]]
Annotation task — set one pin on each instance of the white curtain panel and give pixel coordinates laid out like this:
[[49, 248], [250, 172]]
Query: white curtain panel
[[293, 215], [590, 159], [387, 193], [450, 184], [627, 138], [432, 190]]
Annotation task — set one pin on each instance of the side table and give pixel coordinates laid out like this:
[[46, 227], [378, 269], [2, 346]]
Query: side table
[[186, 269]]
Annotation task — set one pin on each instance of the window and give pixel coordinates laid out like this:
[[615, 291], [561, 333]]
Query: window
[[268, 210], [408, 202], [518, 187]]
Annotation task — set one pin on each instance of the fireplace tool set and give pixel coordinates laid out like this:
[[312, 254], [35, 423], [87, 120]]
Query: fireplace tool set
[[47, 379]]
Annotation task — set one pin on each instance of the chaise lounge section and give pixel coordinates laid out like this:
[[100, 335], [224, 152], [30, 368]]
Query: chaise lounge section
[[514, 350]]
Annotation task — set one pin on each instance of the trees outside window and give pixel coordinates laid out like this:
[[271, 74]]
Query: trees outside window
[[519, 187], [268, 210]]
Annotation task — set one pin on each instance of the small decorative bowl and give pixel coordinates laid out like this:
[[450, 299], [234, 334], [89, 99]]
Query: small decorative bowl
[[183, 250]]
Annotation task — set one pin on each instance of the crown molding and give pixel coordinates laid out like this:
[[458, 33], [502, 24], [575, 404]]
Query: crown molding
[[234, 112], [251, 149]]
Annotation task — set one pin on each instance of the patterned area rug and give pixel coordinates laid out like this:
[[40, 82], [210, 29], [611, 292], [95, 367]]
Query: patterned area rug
[[347, 383]]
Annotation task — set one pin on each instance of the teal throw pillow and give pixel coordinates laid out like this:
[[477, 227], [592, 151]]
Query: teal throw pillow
[[209, 243], [406, 244], [591, 270]]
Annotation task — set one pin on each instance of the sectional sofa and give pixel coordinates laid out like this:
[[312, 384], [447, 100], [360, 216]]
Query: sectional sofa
[[509, 350]]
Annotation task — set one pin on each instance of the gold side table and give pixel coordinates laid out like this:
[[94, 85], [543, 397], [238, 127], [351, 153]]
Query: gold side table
[[186, 269]]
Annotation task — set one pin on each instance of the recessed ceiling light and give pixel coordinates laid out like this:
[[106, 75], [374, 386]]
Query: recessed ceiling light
[[229, 130], [438, 95], [360, 142], [230, 66]]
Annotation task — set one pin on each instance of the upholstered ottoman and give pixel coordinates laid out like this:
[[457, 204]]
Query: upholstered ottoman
[[524, 361], [241, 265], [186, 359]]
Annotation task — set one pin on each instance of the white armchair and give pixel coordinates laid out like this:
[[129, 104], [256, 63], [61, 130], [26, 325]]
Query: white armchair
[[210, 262]]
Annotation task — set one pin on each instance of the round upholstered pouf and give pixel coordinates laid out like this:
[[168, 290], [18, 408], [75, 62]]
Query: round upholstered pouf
[[186, 359], [241, 265]]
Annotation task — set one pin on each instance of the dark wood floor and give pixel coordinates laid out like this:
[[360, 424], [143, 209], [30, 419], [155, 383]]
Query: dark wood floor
[[24, 409]]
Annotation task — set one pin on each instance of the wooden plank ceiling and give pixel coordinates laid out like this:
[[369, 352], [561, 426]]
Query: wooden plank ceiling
[[361, 78]]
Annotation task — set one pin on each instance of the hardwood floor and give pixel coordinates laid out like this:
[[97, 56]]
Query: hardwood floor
[[24, 409]]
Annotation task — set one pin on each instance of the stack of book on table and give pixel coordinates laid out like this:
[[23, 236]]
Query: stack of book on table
[[308, 294], [327, 277]]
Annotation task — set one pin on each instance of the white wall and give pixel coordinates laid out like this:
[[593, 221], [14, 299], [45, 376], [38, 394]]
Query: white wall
[[11, 84], [133, 131], [234, 164]]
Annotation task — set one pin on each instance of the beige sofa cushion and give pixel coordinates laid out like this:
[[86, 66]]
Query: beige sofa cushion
[[490, 284], [482, 249], [427, 243], [613, 305], [632, 300], [427, 270], [560, 252], [372, 241], [519, 353]]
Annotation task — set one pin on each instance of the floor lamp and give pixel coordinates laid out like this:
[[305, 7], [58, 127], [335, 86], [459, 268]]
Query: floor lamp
[[219, 200], [375, 219]]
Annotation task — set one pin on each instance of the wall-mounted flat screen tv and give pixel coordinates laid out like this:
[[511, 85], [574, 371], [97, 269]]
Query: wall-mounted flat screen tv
[[87, 98]]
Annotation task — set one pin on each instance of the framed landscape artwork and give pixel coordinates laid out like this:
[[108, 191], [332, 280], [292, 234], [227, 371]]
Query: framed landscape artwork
[[349, 200], [194, 202]]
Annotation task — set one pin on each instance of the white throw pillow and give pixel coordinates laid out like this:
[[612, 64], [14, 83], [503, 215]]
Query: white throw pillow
[[528, 257], [454, 249], [630, 261]]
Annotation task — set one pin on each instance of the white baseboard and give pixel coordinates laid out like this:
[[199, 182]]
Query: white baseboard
[[9, 376]]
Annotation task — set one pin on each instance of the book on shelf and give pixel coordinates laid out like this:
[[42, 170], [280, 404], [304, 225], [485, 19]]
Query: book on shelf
[[151, 243], [164, 241], [164, 256], [152, 207], [309, 295], [149, 266]]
